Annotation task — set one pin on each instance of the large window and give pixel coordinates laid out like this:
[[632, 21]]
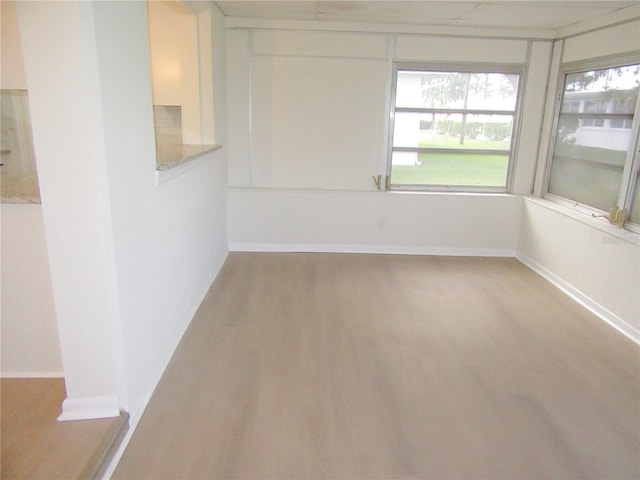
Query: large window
[[453, 127], [594, 162]]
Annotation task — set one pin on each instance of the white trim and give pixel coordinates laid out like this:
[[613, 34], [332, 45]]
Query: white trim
[[135, 417], [89, 408], [584, 216], [399, 193], [387, 134], [590, 304], [374, 249], [549, 118], [501, 33], [32, 374]]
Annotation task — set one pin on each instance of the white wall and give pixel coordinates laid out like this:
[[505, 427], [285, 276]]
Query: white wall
[[30, 346], [607, 41], [373, 222], [165, 42], [130, 258], [169, 239], [308, 130], [12, 72], [595, 262]]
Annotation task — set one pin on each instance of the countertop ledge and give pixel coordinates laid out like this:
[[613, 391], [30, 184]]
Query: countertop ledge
[[21, 199], [170, 156]]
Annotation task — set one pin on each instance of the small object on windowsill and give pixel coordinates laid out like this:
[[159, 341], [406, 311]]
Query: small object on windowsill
[[170, 156], [615, 216]]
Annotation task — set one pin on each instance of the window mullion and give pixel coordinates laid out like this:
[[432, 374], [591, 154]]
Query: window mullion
[[631, 163], [462, 111]]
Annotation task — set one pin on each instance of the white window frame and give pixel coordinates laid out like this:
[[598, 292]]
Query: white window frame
[[513, 69], [632, 160]]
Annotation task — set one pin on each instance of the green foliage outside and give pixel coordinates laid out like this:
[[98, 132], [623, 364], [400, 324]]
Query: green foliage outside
[[493, 131]]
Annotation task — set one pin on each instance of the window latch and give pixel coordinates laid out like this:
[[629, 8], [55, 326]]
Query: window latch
[[615, 216]]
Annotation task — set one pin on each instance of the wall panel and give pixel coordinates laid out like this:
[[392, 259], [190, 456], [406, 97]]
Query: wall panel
[[537, 75], [609, 41], [316, 122], [454, 49], [424, 223], [318, 44], [238, 101], [594, 262]]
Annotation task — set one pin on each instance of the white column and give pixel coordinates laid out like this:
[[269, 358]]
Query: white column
[[59, 44]]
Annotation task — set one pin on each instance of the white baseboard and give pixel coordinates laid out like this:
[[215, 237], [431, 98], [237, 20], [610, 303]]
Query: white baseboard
[[135, 417], [47, 374], [375, 249], [606, 315], [89, 408]]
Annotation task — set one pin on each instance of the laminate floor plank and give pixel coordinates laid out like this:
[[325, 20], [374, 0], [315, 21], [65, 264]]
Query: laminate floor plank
[[340, 366], [36, 446]]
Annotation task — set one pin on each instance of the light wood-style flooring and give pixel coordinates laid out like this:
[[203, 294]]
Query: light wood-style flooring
[[36, 446], [337, 366]]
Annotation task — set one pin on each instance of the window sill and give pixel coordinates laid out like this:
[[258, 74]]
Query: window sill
[[582, 216], [170, 156]]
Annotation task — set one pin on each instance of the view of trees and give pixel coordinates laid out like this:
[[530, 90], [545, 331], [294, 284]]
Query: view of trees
[[469, 90], [474, 91], [590, 96], [460, 125]]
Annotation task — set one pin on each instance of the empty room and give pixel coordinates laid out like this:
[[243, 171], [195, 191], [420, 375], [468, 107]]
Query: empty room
[[320, 239]]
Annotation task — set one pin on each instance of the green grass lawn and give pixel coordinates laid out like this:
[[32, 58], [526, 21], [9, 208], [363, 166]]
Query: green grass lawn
[[453, 169]]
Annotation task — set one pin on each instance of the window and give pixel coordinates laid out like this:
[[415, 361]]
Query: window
[[594, 161], [453, 127]]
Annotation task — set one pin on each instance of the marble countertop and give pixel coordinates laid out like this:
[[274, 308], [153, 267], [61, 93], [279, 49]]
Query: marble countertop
[[170, 156], [15, 190], [20, 199]]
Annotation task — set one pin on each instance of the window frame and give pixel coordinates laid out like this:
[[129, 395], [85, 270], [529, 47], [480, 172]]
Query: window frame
[[459, 67], [632, 158]]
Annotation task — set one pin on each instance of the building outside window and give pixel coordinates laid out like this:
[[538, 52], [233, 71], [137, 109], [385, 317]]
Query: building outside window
[[594, 162]]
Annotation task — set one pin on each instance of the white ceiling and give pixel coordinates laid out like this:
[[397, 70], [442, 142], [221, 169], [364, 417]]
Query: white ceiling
[[543, 15]]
